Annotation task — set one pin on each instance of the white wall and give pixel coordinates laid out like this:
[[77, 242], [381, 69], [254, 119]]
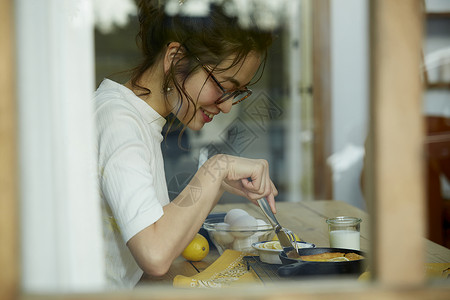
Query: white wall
[[437, 59], [350, 95]]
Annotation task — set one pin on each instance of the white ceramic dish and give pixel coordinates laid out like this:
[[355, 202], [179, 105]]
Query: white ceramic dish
[[269, 251]]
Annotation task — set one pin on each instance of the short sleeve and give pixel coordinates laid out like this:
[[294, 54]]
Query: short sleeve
[[126, 177]]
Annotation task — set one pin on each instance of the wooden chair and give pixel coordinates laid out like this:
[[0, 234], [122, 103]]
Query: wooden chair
[[437, 149]]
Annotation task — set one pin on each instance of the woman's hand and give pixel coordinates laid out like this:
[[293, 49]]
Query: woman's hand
[[246, 177]]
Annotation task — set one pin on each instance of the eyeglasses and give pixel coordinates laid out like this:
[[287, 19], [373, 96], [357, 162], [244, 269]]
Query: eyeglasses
[[236, 95]]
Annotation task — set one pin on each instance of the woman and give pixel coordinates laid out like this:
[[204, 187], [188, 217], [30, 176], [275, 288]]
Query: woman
[[193, 68]]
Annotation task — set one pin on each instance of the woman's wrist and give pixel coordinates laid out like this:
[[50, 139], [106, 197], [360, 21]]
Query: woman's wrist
[[216, 167]]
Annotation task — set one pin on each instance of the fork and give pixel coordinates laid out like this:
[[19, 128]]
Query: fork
[[285, 236]]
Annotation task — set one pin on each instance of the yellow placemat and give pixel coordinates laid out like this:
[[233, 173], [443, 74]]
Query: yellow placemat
[[433, 270], [227, 271]]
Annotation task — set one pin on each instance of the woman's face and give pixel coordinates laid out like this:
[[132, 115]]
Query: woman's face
[[204, 91]]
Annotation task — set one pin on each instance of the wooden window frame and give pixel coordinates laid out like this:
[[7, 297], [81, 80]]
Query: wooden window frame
[[396, 36], [9, 233], [321, 60]]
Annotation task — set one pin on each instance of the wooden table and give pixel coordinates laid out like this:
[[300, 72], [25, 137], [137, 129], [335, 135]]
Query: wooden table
[[307, 220]]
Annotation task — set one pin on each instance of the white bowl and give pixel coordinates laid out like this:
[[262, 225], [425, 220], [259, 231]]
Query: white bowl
[[269, 255]]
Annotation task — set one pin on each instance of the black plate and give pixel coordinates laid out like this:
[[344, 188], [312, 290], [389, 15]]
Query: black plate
[[298, 267]]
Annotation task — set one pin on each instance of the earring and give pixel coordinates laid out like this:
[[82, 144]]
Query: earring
[[167, 91]]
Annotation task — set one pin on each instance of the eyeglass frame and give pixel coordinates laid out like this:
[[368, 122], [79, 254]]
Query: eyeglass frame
[[226, 95]]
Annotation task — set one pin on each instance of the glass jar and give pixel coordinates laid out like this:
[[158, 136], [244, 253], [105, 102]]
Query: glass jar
[[344, 232]]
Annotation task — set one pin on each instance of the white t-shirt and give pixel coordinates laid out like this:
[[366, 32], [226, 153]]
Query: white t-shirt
[[131, 175]]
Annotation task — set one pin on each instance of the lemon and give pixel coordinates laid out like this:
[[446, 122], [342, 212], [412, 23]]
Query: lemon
[[340, 258], [275, 245], [197, 249], [275, 238], [364, 276]]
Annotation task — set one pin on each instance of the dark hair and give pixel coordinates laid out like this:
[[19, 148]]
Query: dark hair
[[210, 39]]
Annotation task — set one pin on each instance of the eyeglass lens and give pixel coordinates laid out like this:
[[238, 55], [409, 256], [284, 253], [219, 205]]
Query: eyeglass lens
[[236, 96]]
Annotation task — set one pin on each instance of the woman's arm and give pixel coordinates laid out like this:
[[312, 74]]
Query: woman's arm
[[156, 246]]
